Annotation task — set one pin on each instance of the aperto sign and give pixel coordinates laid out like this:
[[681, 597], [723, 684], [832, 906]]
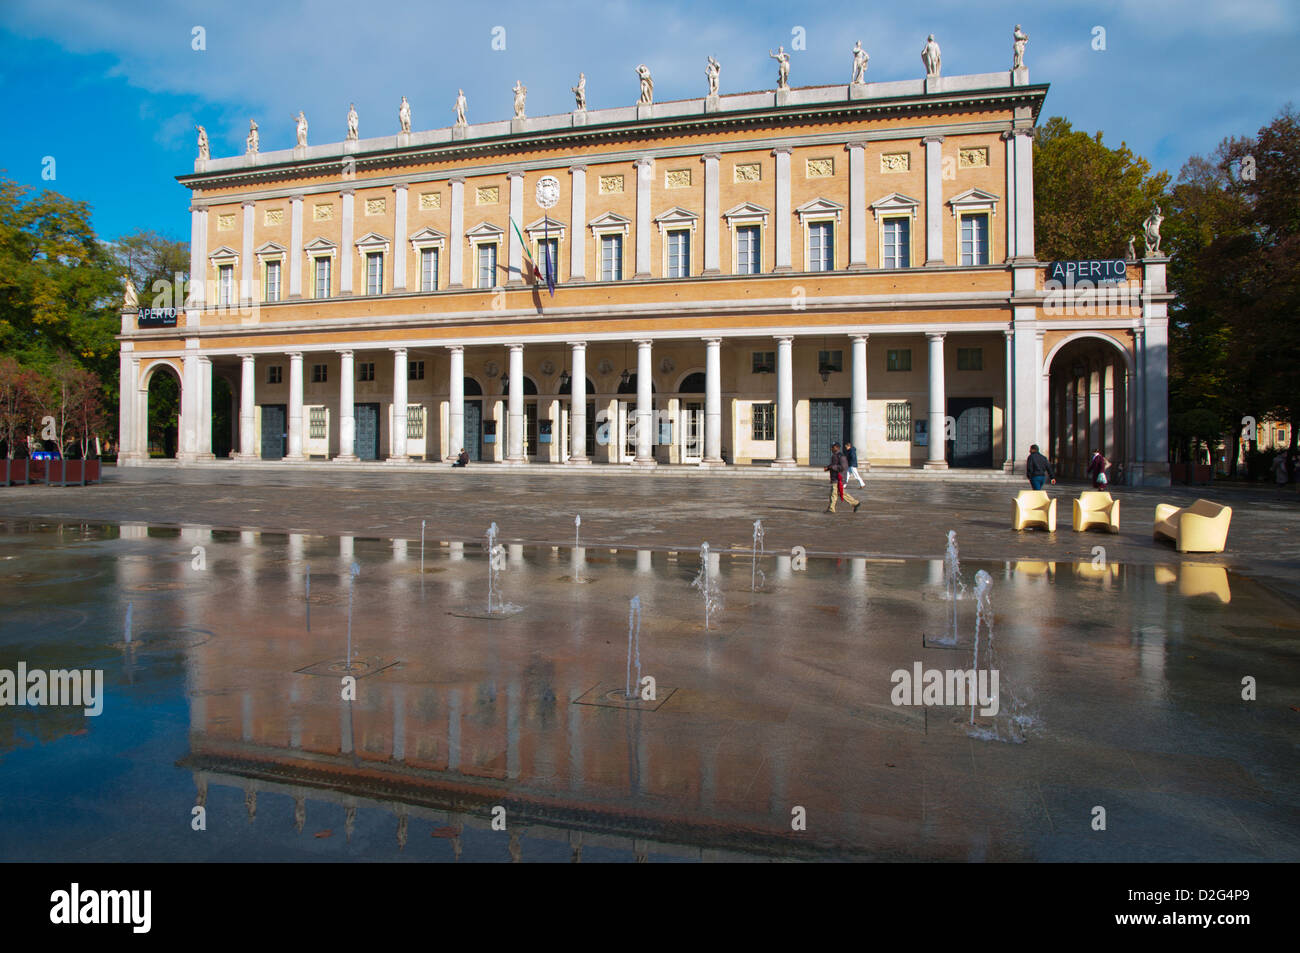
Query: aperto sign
[[1095, 271], [157, 318]]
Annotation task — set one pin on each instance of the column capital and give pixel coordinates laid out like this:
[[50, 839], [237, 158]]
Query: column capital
[[347, 191], [936, 335], [514, 347], [456, 180], [926, 140], [1009, 334], [248, 203], [578, 345], [515, 174], [856, 144], [783, 338], [296, 197], [711, 157], [782, 151], [400, 187], [204, 359], [644, 162], [859, 337], [712, 341], [577, 167], [1023, 131], [248, 357], [456, 348], [346, 352], [198, 208], [398, 350], [643, 342], [294, 355]]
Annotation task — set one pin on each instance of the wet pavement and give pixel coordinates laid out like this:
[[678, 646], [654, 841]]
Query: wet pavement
[[1120, 683]]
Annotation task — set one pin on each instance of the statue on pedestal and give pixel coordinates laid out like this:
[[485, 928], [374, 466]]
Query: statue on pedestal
[[252, 140], [931, 57], [580, 93], [130, 300], [1131, 254], [460, 108], [353, 121], [860, 57], [521, 93], [783, 67], [203, 142], [712, 72], [301, 123], [404, 115], [1151, 227], [1018, 41], [647, 86]]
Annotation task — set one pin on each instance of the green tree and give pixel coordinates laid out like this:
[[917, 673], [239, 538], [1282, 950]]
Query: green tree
[[1088, 197], [158, 266]]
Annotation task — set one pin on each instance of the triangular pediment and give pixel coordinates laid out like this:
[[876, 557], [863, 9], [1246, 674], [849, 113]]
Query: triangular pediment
[[974, 197], [319, 245], [746, 210], [676, 216], [427, 234], [372, 240], [895, 202], [609, 220], [224, 253], [820, 206], [544, 224], [270, 248], [485, 230]]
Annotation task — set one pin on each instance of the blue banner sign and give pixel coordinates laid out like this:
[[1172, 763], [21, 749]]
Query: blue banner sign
[[1095, 271]]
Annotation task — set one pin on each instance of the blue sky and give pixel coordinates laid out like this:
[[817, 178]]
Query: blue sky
[[112, 89]]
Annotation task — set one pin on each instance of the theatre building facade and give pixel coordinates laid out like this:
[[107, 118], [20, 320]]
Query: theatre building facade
[[738, 280]]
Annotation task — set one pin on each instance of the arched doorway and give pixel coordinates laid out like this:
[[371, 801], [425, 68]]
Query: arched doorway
[[690, 427], [160, 396], [1088, 405]]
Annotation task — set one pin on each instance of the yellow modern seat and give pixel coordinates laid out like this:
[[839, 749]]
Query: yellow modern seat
[[1034, 508], [1199, 528], [1096, 508]]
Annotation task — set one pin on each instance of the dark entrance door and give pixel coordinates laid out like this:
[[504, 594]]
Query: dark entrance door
[[474, 429], [367, 442], [973, 446], [827, 422], [275, 431]]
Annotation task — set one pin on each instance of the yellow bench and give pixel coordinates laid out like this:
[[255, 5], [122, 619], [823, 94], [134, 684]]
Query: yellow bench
[[1034, 508], [1199, 528], [1096, 508]]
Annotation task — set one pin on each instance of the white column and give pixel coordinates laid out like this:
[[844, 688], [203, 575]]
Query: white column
[[713, 403], [858, 425], [128, 394], [784, 403], [644, 172], [782, 213], [1094, 409], [397, 439], [515, 408], [933, 202], [295, 247], [205, 409], [1009, 138], [712, 213], [1009, 412], [515, 274], [247, 407], [938, 405], [1043, 375], [246, 273], [456, 402], [1025, 192], [857, 206], [139, 419], [578, 225], [198, 254], [399, 238], [1024, 331], [644, 405], [578, 406], [295, 406], [456, 242], [345, 256], [1110, 446], [347, 408], [188, 437]]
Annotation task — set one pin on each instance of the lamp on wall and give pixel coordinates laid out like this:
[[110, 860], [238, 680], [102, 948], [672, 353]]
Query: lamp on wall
[[824, 368], [626, 377], [505, 376]]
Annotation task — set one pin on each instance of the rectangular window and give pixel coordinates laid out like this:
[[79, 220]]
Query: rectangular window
[[226, 285], [975, 239], [374, 273], [764, 362], [319, 373], [830, 361], [415, 370], [415, 422], [821, 246], [748, 250], [898, 422], [679, 253], [611, 258], [970, 358], [272, 281], [487, 265], [316, 423], [764, 421], [898, 243], [548, 247], [366, 371], [898, 360], [273, 374], [429, 269], [323, 277]]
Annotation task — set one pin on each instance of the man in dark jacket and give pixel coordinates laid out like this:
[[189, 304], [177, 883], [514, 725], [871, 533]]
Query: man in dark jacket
[[1038, 469], [838, 466]]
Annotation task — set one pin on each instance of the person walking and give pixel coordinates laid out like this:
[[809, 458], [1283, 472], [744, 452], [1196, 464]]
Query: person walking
[[1279, 469], [836, 468], [1038, 469], [851, 452], [1097, 468]]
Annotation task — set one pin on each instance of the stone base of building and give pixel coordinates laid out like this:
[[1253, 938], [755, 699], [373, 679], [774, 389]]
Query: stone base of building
[[575, 462], [346, 458], [508, 462], [783, 464], [245, 457], [644, 464], [707, 464], [935, 465], [398, 461]]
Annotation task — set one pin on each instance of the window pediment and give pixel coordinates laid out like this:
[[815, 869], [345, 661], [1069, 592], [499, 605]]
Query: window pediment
[[484, 230], [372, 242], [974, 200], [319, 247], [895, 202], [225, 255], [271, 250], [543, 225], [609, 221], [819, 208], [427, 238], [746, 212]]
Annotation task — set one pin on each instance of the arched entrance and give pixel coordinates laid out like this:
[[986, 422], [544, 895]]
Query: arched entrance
[[1088, 406], [160, 410]]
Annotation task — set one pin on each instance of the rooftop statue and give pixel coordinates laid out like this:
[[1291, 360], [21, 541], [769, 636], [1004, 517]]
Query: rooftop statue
[[580, 93], [460, 108], [647, 86], [931, 57], [252, 140], [521, 93], [301, 123], [352, 121], [783, 67], [130, 300], [712, 72], [860, 57], [203, 142], [404, 115], [1151, 227], [1018, 41]]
